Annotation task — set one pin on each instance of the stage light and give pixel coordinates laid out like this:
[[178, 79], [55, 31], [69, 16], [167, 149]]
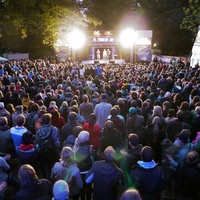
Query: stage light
[[127, 37], [76, 39]]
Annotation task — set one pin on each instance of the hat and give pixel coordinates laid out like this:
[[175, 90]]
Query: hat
[[103, 96], [183, 137], [61, 190], [1, 105], [132, 111], [83, 136]]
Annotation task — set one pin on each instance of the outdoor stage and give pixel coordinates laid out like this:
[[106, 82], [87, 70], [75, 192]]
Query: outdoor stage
[[103, 62]]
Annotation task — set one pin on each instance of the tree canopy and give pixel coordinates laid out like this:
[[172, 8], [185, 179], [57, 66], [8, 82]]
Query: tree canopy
[[34, 26]]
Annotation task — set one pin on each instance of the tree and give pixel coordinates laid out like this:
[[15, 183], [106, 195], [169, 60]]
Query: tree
[[44, 20], [191, 20]]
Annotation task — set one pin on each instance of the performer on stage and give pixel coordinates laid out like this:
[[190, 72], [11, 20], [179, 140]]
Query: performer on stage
[[108, 54], [98, 54], [104, 54]]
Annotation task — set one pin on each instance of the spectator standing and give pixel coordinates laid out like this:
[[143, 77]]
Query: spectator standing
[[66, 170], [32, 187], [102, 110], [86, 108], [106, 176], [147, 176]]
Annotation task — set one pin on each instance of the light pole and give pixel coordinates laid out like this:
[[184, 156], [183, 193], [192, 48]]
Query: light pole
[[127, 39]]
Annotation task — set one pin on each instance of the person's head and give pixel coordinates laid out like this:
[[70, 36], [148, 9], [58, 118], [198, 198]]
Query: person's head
[[1, 105], [85, 98], [197, 111], [27, 175], [61, 190], [55, 114], [184, 106], [64, 104], [3, 121], [171, 113], [19, 108], [147, 154], [20, 120], [180, 115], [109, 125], [77, 130], [74, 108], [133, 139], [192, 157], [182, 138], [109, 154], [132, 111], [131, 194], [120, 101], [41, 113], [83, 136], [67, 156], [103, 97], [92, 118], [34, 107], [114, 112], [46, 118], [27, 138], [9, 107], [72, 116], [157, 111]]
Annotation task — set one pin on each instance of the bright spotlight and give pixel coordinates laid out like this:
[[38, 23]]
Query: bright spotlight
[[128, 37], [76, 39]]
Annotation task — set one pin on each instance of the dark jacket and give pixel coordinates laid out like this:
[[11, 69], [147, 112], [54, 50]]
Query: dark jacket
[[149, 181], [111, 138], [194, 127], [83, 157], [187, 181], [106, 178], [36, 190]]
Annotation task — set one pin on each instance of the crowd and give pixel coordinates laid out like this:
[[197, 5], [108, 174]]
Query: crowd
[[83, 132]]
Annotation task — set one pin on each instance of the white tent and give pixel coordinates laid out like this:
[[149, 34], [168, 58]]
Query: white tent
[[3, 59], [195, 58]]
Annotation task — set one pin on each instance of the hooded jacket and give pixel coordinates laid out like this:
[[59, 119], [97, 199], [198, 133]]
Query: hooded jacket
[[106, 177]]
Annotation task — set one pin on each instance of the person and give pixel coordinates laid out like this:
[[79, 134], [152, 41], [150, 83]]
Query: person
[[195, 126], [131, 194], [83, 152], [61, 190], [174, 127], [104, 54], [187, 178], [108, 54], [27, 153], [131, 155], [18, 130], [66, 170], [110, 137], [4, 112], [154, 135], [48, 137], [106, 176], [95, 134], [102, 110], [98, 54], [6, 142], [135, 123], [147, 176], [86, 108], [67, 129], [32, 187], [118, 123]]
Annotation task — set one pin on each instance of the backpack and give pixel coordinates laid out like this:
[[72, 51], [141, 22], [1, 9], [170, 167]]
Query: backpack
[[46, 145]]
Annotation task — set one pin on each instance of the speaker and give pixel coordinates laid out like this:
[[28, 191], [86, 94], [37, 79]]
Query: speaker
[[112, 62]]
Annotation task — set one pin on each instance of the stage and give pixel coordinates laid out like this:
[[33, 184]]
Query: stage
[[103, 62]]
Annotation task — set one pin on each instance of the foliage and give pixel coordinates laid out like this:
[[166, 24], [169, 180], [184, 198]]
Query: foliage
[[191, 21]]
